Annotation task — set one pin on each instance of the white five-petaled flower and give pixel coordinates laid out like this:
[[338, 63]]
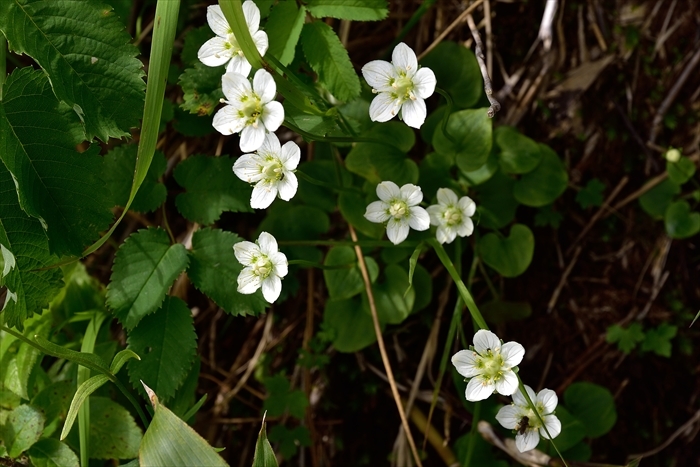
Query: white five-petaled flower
[[401, 87], [519, 416], [452, 215], [224, 47], [250, 110], [264, 267], [398, 207], [489, 365], [271, 169]]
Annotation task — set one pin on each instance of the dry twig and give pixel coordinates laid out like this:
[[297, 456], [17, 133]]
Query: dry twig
[[479, 52]]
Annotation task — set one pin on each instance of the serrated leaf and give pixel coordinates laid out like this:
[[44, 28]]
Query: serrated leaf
[[212, 188], [201, 86], [626, 338], [50, 452], [283, 29], [329, 59], [118, 173], [281, 398], [591, 194], [95, 72], [57, 185], [167, 344], [658, 340], [354, 10], [144, 269], [22, 428], [214, 270]]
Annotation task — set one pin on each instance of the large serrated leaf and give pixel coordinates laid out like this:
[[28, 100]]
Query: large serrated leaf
[[86, 53], [167, 344], [201, 86], [29, 288], [329, 59], [144, 268], [214, 270], [118, 173], [212, 188], [57, 185], [283, 28], [355, 10]]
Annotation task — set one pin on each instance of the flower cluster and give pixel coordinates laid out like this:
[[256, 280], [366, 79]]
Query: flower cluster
[[520, 417]]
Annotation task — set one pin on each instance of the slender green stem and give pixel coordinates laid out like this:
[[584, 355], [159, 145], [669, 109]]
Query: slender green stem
[[463, 291], [362, 243], [317, 182], [287, 73], [448, 112], [487, 279], [233, 11], [3, 62], [476, 416], [133, 401], [88, 346]]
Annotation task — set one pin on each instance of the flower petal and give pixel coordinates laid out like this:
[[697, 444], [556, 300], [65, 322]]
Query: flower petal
[[227, 122], [509, 416], [527, 441], [245, 251], [264, 86], [467, 205], [548, 399], [272, 115], [445, 234], [411, 193], [397, 230], [465, 363], [435, 213], [263, 195], [507, 384], [239, 64], [217, 21], [424, 83], [290, 155], [413, 112], [235, 86], [553, 425], [447, 197], [261, 42], [404, 58], [466, 228], [279, 261], [248, 282], [214, 52], [383, 108], [268, 243], [379, 74], [252, 138], [271, 288], [376, 212], [519, 399], [270, 146], [251, 13], [484, 340], [247, 168], [419, 218], [478, 389], [512, 354], [388, 190], [287, 187]]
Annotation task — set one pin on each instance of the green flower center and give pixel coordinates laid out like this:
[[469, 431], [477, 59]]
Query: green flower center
[[398, 209], [452, 216], [403, 88], [262, 266], [232, 44], [251, 109], [491, 365], [273, 169]]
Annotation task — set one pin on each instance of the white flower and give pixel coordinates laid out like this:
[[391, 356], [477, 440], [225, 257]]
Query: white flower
[[271, 169], [489, 365], [264, 266], [401, 87], [400, 208], [224, 47], [673, 155], [452, 215], [250, 110], [520, 417]]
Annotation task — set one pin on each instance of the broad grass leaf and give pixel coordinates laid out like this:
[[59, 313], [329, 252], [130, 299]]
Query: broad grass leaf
[[214, 271], [56, 184], [118, 173], [329, 59], [283, 29], [264, 455], [103, 86], [167, 345], [212, 188], [144, 269], [354, 10]]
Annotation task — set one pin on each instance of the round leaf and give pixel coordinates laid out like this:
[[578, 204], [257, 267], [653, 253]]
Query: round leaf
[[656, 201], [518, 153], [350, 327], [545, 183], [680, 222], [681, 171], [496, 203], [593, 405], [457, 71], [394, 303], [50, 452], [469, 140], [509, 256], [22, 429], [346, 283]]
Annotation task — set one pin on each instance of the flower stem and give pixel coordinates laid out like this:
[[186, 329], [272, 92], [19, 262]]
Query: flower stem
[[448, 112], [463, 291], [361, 243], [333, 139]]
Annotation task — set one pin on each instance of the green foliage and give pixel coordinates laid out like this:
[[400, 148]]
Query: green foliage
[[656, 201], [393, 298], [281, 398], [283, 29], [54, 401], [347, 325], [55, 184], [500, 312], [194, 40], [354, 10], [118, 173], [496, 202], [18, 360], [103, 87], [283, 223], [144, 268], [545, 183], [658, 340], [468, 138], [50, 452], [518, 154], [593, 405], [329, 59], [290, 439], [167, 344], [681, 171], [626, 338], [546, 215], [214, 270], [591, 194], [353, 207], [347, 282], [680, 222], [573, 430], [457, 72], [510, 256], [212, 188], [201, 86], [22, 429], [81, 395]]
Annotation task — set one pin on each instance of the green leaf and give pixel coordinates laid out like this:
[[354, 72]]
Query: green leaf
[[88, 360], [320, 196], [471, 141], [329, 59], [496, 203], [593, 405], [214, 271], [18, 359], [183, 403], [120, 359], [483, 173], [572, 430], [423, 285], [349, 326], [50, 452], [658, 199], [212, 188], [118, 173], [658, 340], [545, 183], [626, 338], [681, 171], [499, 312], [457, 71], [518, 153], [354, 10], [319, 125], [22, 429], [283, 223], [546, 215], [290, 439], [54, 400], [282, 399], [283, 28], [393, 299], [56, 184], [95, 72], [169, 441], [680, 222], [83, 392], [509, 256], [346, 283], [264, 455], [194, 40], [591, 194], [353, 207], [144, 269], [435, 173], [167, 344], [201, 87]]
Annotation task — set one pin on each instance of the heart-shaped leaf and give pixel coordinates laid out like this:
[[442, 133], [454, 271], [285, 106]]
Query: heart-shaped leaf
[[347, 282], [518, 154], [545, 183], [656, 201], [680, 222], [496, 203], [509, 256], [350, 328], [394, 302], [681, 171], [468, 138], [457, 72]]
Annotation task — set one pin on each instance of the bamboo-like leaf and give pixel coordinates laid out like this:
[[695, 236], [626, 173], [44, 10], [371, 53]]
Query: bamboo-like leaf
[[83, 392], [264, 455], [121, 358], [88, 360]]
